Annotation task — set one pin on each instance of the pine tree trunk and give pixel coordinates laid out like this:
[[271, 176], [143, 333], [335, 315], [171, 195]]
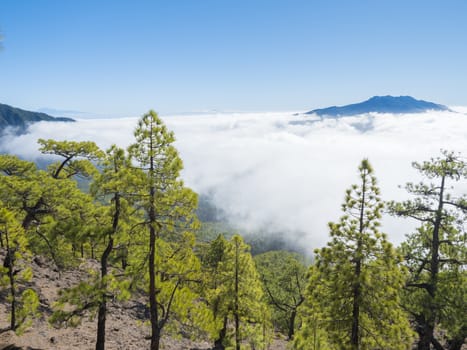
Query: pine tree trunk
[[155, 343], [155, 331], [219, 342], [291, 331], [102, 313], [236, 306], [456, 343], [9, 264], [152, 290], [425, 338], [13, 298], [428, 328], [354, 340], [101, 318]]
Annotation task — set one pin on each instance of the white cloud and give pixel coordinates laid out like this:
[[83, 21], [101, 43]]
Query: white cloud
[[281, 171]]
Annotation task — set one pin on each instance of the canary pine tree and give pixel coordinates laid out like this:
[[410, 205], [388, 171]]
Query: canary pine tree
[[356, 281], [49, 204], [112, 187], [108, 228], [436, 253], [15, 273], [236, 294], [284, 278], [170, 216]]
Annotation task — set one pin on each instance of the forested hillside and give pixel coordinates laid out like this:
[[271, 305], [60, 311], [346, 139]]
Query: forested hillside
[[18, 119], [130, 251]]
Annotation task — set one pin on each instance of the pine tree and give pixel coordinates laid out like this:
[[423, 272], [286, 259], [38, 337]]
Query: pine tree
[[15, 272], [113, 188], [76, 157], [355, 283], [436, 252], [236, 293], [284, 278], [169, 208], [108, 228], [49, 203]]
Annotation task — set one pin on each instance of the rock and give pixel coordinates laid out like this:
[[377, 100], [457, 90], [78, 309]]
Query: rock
[[39, 261], [12, 347]]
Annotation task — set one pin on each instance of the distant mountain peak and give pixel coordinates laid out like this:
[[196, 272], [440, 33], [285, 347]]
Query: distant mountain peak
[[381, 104], [20, 119]]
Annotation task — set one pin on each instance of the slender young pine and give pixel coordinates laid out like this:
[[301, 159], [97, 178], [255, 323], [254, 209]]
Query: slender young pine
[[355, 282], [169, 206]]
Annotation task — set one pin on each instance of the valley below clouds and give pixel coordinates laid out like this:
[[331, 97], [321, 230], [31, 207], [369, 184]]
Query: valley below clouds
[[283, 172]]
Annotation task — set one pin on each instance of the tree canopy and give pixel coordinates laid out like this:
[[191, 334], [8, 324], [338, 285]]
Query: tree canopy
[[354, 288]]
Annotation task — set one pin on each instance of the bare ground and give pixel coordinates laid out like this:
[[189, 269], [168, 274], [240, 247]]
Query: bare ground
[[125, 327]]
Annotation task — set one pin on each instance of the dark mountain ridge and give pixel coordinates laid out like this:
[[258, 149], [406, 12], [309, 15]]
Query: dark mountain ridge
[[381, 104], [20, 119]]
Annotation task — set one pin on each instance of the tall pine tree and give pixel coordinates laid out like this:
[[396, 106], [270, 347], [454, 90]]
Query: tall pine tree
[[236, 294], [355, 283], [436, 253], [169, 208]]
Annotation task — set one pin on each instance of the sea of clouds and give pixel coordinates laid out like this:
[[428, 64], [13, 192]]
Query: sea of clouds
[[283, 172]]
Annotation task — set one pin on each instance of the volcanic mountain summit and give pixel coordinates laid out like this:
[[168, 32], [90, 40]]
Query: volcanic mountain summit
[[381, 104]]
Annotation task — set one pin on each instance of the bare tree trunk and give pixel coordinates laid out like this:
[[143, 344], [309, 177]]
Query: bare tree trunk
[[219, 342], [355, 336], [9, 263], [102, 313], [456, 343], [291, 331], [155, 334], [427, 335], [236, 306], [154, 317], [355, 339]]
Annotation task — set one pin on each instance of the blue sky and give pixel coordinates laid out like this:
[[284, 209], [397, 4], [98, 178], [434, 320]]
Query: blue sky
[[121, 58]]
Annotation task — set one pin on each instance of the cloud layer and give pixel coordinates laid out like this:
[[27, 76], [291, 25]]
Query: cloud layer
[[283, 172]]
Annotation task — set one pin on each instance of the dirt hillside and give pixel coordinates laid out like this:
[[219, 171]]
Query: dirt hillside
[[126, 329]]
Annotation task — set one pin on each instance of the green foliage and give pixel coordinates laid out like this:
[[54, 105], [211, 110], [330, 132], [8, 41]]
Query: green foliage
[[353, 293], [169, 209], [140, 214], [15, 273], [208, 231], [178, 281], [235, 292], [435, 253], [13, 166], [76, 157], [107, 226], [51, 209], [114, 190], [284, 278], [27, 310], [83, 300], [160, 189]]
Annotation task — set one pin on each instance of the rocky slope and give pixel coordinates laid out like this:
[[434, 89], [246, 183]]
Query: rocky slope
[[126, 327], [125, 323]]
